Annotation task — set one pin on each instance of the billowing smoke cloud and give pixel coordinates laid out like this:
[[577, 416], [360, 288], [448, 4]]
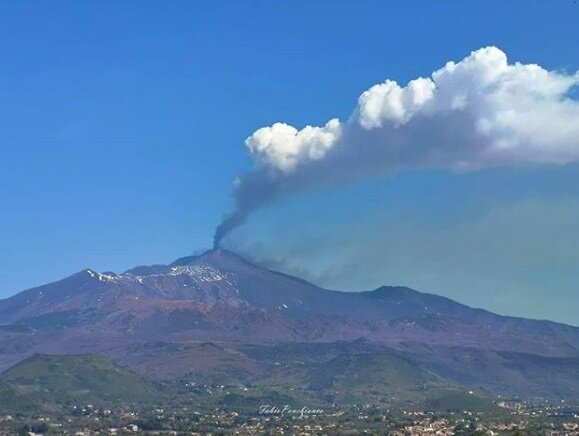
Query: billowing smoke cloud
[[477, 113]]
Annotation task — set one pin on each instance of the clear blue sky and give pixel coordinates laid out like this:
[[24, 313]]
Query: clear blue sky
[[122, 128]]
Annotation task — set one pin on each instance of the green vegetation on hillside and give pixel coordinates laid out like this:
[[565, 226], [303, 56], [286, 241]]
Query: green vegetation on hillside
[[70, 380]]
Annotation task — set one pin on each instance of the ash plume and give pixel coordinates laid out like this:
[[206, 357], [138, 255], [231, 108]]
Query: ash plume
[[251, 191], [477, 113]]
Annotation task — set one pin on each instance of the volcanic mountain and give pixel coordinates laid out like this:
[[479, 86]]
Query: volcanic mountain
[[219, 298]]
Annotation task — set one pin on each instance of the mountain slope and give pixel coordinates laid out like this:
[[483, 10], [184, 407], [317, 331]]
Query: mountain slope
[[219, 297], [73, 380]]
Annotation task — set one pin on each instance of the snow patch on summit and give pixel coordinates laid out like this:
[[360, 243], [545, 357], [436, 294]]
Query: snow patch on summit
[[100, 277], [200, 272]]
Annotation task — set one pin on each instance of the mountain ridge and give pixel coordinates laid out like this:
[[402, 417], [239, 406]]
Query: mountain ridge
[[219, 297], [222, 265], [208, 258]]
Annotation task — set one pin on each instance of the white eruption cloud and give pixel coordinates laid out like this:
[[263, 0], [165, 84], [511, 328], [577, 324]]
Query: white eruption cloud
[[284, 147], [477, 113]]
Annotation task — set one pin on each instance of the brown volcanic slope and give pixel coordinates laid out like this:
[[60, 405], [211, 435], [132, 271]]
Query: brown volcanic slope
[[219, 297]]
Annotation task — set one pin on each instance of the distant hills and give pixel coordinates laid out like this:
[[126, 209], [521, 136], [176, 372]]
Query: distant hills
[[50, 382], [218, 318], [69, 383]]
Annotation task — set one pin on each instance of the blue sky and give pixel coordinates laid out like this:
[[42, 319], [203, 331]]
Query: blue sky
[[122, 127]]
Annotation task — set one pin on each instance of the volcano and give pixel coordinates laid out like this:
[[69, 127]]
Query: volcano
[[219, 298]]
